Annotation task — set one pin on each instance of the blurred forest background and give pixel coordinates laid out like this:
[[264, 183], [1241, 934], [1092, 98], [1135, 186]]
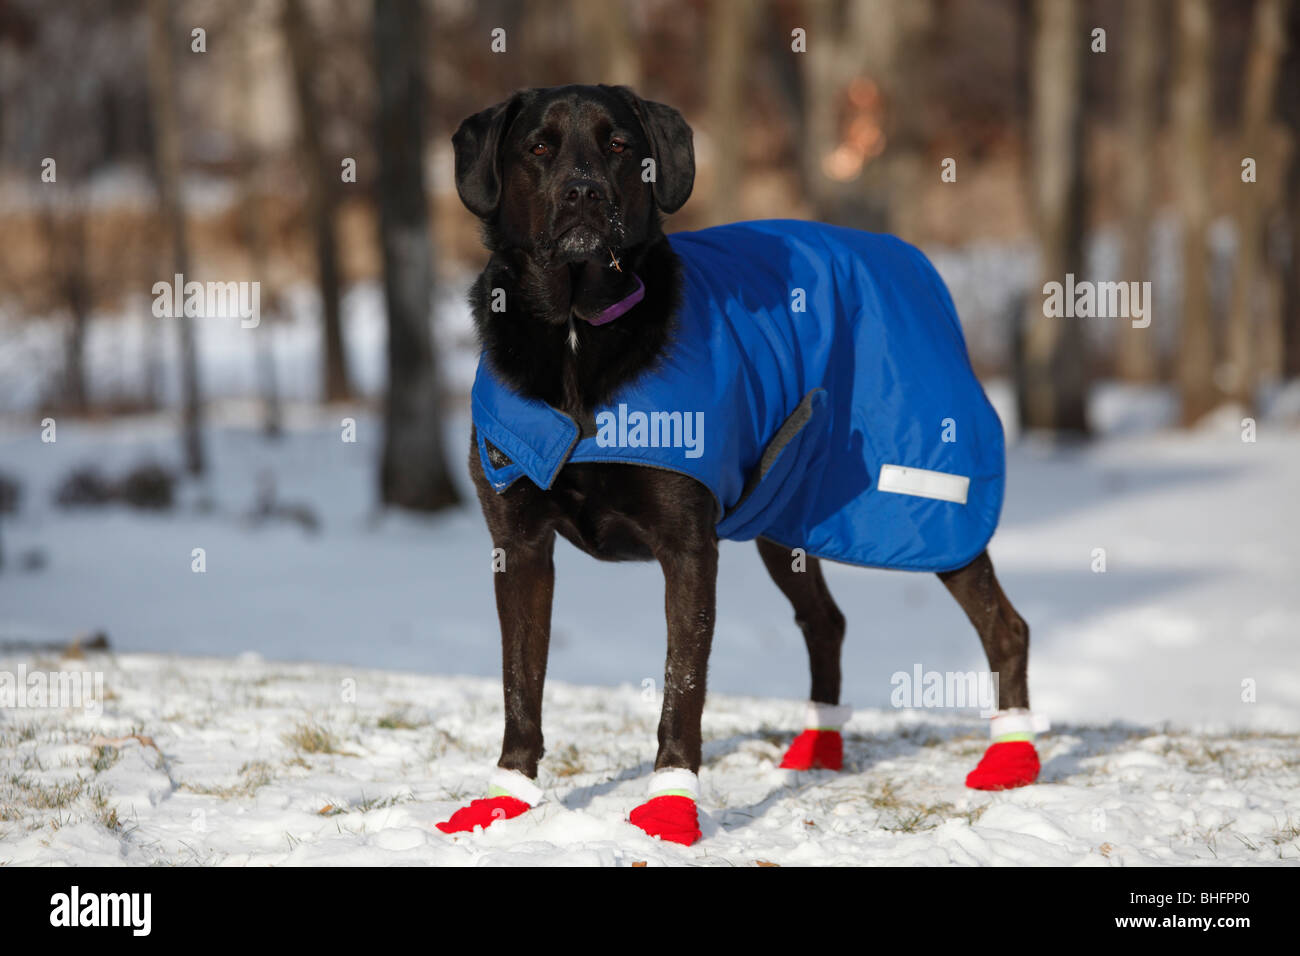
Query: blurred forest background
[[1148, 140]]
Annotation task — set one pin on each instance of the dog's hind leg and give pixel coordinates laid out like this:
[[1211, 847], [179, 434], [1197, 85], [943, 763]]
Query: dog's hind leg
[[1011, 760], [801, 581]]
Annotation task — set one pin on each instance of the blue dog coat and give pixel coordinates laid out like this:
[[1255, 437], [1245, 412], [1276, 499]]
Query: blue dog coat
[[817, 383]]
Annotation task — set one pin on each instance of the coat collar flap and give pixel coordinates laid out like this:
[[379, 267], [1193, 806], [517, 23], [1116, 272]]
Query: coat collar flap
[[537, 438]]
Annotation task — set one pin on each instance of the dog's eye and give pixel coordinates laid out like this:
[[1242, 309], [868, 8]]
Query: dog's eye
[[539, 149], [617, 145]]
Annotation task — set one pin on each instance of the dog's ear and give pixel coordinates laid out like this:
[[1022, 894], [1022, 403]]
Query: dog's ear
[[672, 144], [477, 144]]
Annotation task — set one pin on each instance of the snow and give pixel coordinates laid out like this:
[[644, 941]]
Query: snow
[[1172, 679], [127, 348], [223, 779]]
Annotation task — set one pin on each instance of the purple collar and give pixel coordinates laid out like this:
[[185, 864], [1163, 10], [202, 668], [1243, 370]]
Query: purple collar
[[621, 306]]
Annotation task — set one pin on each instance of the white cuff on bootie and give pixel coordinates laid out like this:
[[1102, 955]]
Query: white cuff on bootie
[[516, 785], [826, 716], [681, 782], [1018, 721]]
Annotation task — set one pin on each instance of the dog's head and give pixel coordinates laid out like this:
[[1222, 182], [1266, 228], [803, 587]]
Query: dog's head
[[573, 172]]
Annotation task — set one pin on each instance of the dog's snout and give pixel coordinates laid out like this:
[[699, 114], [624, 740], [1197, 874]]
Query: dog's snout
[[577, 193]]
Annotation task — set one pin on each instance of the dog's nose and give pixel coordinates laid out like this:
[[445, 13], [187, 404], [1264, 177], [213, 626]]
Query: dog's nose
[[577, 193]]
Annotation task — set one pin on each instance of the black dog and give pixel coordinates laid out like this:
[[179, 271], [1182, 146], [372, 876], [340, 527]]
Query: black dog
[[570, 184]]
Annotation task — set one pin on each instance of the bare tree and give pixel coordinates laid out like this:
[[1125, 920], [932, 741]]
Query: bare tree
[[820, 77], [254, 234], [322, 195], [1288, 232], [1136, 357], [413, 472], [64, 229], [1191, 121], [729, 30], [162, 85], [1051, 382], [1268, 41], [854, 111]]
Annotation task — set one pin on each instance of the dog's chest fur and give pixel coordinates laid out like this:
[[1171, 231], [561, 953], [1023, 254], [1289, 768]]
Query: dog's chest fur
[[611, 512]]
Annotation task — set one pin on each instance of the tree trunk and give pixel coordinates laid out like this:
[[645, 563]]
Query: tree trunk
[[162, 84], [886, 34], [413, 472], [1291, 293], [1289, 360], [816, 107], [1289, 346], [322, 197], [66, 248], [76, 290], [1191, 119], [729, 30], [1051, 377], [1136, 350], [1258, 96], [253, 228]]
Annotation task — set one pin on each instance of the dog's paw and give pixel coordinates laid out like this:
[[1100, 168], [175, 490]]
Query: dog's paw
[[822, 749], [483, 813], [1005, 766], [672, 818]]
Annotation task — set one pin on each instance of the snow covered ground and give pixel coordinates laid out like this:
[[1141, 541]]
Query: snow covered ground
[[250, 762], [1173, 677]]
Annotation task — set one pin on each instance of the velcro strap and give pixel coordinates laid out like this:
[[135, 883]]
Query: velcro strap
[[923, 483]]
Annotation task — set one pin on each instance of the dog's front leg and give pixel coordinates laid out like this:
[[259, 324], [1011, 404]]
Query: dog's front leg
[[525, 583], [690, 596], [523, 592]]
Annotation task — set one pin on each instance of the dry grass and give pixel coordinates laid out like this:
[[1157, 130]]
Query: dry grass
[[311, 738], [398, 720], [253, 776], [567, 763], [55, 804]]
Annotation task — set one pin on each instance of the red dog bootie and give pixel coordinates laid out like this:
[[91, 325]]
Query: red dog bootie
[[822, 749], [670, 813], [511, 794], [483, 813], [820, 746], [1011, 761]]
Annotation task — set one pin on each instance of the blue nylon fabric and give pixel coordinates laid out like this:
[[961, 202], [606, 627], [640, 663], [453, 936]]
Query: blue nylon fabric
[[877, 351]]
